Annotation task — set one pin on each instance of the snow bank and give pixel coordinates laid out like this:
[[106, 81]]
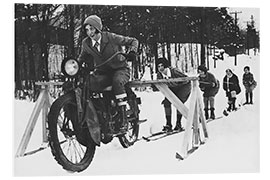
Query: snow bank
[[233, 145]]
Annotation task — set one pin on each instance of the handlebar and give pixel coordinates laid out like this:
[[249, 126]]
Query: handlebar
[[109, 59]]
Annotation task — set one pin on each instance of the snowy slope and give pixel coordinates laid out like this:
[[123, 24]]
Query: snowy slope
[[233, 145]]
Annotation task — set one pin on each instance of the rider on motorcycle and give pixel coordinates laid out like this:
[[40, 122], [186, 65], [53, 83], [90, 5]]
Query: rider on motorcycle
[[99, 46]]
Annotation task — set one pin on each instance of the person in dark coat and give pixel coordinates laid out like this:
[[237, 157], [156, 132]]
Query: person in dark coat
[[97, 47], [181, 90], [210, 86], [250, 84], [232, 88]]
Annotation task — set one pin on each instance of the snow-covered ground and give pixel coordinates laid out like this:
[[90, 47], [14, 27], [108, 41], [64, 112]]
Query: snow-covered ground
[[233, 145]]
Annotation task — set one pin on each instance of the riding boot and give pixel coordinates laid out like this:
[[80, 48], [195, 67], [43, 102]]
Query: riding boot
[[251, 98], [123, 115], [206, 113], [212, 113], [230, 106], [247, 102], [233, 104], [168, 126], [122, 104], [178, 126]]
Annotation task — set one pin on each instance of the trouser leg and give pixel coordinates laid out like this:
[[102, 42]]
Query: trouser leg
[[168, 115], [119, 79], [212, 107], [122, 103], [178, 126], [178, 119], [206, 105], [233, 104], [251, 97], [247, 98], [230, 104]]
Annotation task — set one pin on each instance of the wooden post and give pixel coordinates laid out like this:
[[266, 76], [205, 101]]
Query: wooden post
[[42, 104], [194, 115], [31, 124], [45, 111], [201, 115], [192, 129], [196, 140], [189, 123]]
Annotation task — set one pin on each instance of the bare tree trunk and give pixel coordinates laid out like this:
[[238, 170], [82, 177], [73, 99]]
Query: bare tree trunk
[[191, 54], [207, 54], [24, 75], [71, 30], [155, 51], [169, 52], [202, 36], [44, 50], [82, 17], [32, 62], [197, 55], [163, 49], [186, 60], [18, 84]]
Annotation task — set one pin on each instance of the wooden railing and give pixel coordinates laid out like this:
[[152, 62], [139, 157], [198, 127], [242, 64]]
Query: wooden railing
[[194, 114]]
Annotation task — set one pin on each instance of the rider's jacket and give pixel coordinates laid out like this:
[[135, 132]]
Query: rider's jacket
[[110, 44]]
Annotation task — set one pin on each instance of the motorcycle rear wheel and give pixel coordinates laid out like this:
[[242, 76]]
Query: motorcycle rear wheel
[[66, 148], [129, 138]]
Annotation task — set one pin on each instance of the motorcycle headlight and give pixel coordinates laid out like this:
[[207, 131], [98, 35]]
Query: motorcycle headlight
[[70, 67]]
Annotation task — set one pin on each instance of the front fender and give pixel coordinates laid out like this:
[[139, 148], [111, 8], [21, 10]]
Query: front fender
[[90, 117]]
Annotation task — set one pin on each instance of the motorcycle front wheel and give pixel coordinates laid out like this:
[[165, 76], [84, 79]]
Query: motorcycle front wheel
[[68, 151]]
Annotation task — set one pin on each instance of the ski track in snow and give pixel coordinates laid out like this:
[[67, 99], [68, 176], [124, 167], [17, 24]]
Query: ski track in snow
[[233, 145]]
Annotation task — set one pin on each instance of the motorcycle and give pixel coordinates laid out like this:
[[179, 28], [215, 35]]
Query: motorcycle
[[86, 116]]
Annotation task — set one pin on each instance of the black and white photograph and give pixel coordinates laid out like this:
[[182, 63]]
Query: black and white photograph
[[135, 89]]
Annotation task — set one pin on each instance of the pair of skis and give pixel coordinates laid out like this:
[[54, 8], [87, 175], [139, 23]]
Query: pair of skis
[[163, 134], [211, 119], [226, 112], [160, 135]]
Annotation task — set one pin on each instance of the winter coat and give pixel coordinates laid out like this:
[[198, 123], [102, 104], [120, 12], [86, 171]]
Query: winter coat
[[248, 79], [110, 44], [249, 82], [180, 89], [231, 85], [209, 85]]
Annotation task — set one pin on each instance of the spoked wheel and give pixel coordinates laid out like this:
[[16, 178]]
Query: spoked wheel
[[68, 148]]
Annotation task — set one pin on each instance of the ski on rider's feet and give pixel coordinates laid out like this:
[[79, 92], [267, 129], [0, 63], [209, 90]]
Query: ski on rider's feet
[[211, 119], [226, 112], [160, 135]]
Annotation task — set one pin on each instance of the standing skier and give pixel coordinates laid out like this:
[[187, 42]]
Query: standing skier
[[232, 88], [210, 86], [181, 90], [250, 84]]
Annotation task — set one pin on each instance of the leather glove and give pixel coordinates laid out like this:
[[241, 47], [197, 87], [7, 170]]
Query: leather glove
[[131, 56], [154, 88]]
